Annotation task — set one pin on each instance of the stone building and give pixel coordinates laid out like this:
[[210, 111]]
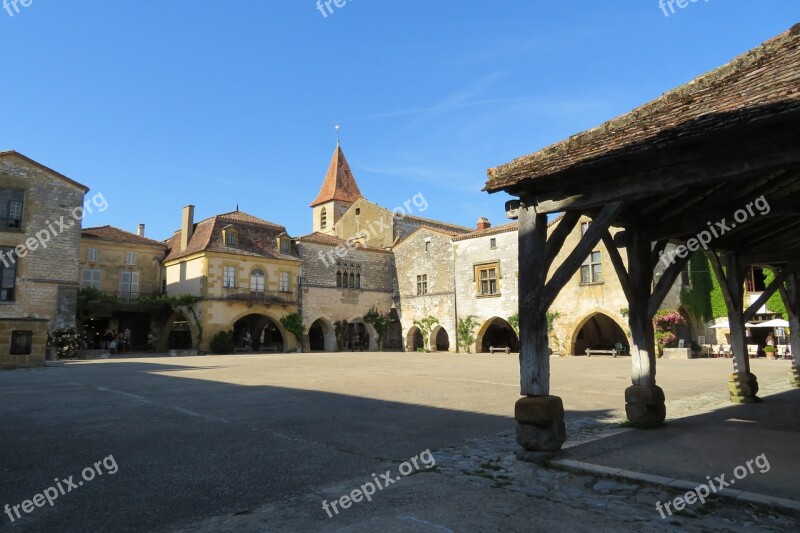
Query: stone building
[[40, 214], [245, 274], [125, 268]]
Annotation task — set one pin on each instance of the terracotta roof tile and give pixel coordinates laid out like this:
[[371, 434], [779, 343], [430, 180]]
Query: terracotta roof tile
[[256, 237], [330, 240], [768, 75], [110, 233], [494, 230], [339, 182]]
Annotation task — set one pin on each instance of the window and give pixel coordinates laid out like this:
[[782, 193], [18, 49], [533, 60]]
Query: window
[[492, 243], [8, 276], [257, 279], [21, 342], [358, 281], [230, 238], [229, 277], [422, 284], [339, 278], [284, 281], [323, 218], [93, 255], [592, 269], [129, 283], [487, 280], [427, 246], [358, 211], [11, 201], [130, 258], [686, 280], [92, 278], [584, 227], [286, 246]]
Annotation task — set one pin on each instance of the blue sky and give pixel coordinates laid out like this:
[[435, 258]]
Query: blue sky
[[158, 104]]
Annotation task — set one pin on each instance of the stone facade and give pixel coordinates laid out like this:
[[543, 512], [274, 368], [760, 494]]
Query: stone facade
[[425, 280], [39, 282]]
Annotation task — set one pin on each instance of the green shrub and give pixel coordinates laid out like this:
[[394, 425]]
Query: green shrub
[[222, 343]]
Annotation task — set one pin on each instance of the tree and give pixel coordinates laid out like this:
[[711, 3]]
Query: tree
[[340, 328], [464, 332], [293, 323], [513, 321], [380, 322], [425, 326], [222, 343]]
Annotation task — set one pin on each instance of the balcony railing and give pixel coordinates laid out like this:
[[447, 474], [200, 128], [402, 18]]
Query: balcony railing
[[126, 297], [264, 297]]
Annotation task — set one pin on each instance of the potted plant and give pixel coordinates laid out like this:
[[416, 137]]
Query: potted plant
[[770, 352]]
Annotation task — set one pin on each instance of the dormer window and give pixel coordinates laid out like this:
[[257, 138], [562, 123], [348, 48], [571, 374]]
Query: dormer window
[[230, 236], [285, 245]]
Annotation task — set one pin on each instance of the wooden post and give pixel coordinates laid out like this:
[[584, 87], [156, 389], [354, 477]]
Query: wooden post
[[534, 354], [791, 298], [742, 384]]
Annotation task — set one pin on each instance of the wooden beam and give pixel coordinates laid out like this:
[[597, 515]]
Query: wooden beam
[[556, 240], [619, 265], [578, 256], [665, 284], [780, 276]]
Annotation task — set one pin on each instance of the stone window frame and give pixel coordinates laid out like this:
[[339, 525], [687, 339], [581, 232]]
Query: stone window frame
[[229, 282], [254, 276], [493, 243], [8, 276], [134, 275], [92, 255], [595, 259], [284, 276], [348, 275], [130, 258], [422, 284], [427, 245], [27, 342], [323, 218], [479, 268], [91, 282], [6, 222]]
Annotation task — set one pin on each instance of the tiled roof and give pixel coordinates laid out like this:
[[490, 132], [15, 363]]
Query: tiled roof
[[765, 76], [494, 230], [339, 182], [455, 229], [14, 153], [110, 233], [330, 240], [256, 237]]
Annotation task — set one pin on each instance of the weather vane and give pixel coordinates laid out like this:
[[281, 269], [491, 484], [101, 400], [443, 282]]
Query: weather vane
[[338, 130]]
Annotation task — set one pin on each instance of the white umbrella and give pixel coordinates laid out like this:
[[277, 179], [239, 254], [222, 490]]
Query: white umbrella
[[721, 325], [774, 323]]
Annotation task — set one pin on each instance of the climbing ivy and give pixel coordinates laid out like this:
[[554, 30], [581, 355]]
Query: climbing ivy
[[775, 303]]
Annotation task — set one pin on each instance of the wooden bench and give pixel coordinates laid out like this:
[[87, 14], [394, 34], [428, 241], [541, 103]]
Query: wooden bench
[[505, 349], [589, 352]]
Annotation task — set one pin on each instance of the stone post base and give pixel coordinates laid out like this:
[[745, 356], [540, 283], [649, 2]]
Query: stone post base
[[794, 376], [540, 423], [743, 388], [644, 406]]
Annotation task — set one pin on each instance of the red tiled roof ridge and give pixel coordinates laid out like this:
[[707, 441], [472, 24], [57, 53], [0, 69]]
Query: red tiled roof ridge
[[128, 236]]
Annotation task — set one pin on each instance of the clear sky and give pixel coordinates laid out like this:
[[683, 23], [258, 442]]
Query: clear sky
[[158, 104]]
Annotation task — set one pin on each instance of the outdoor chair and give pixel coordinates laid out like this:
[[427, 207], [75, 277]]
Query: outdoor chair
[[715, 351], [752, 351], [619, 349]]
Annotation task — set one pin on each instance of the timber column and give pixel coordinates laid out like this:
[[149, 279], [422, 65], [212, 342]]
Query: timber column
[[539, 416]]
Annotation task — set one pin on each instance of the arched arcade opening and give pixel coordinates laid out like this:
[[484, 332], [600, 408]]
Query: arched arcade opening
[[496, 333], [599, 332]]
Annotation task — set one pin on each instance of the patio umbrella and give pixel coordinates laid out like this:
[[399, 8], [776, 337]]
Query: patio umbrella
[[774, 323]]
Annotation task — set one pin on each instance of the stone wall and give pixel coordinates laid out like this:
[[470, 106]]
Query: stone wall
[[46, 269], [436, 263], [112, 261]]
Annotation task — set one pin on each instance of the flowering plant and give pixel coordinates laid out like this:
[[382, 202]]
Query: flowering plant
[[67, 342], [665, 323]]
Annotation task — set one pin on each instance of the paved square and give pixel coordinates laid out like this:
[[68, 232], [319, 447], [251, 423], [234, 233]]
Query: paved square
[[205, 436]]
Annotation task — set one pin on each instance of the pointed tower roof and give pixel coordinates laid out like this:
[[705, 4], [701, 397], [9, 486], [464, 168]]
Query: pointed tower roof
[[339, 182]]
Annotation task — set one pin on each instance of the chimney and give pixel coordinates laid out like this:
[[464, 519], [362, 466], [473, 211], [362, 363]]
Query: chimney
[[187, 226], [483, 223], [140, 230]]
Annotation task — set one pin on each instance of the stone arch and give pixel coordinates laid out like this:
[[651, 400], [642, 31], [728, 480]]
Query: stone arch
[[261, 321], [358, 323], [440, 339], [599, 330], [181, 318], [496, 332], [414, 340], [321, 336]]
